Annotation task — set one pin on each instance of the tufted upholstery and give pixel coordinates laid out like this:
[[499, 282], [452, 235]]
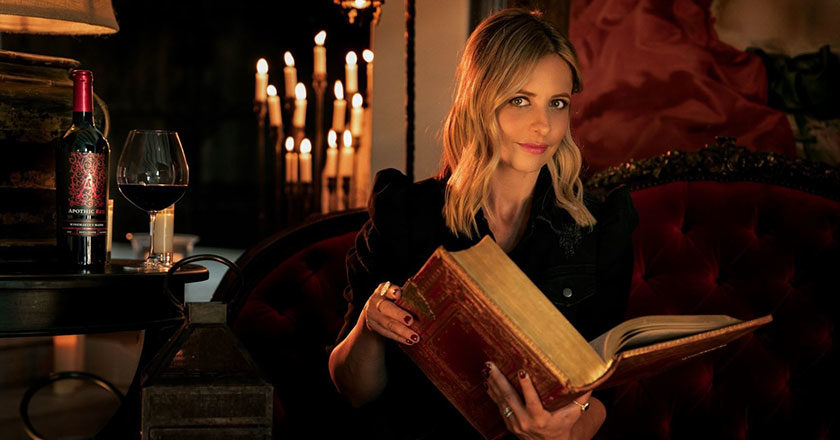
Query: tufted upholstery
[[739, 248]]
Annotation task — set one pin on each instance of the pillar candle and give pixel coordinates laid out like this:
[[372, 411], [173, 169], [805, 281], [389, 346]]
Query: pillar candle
[[331, 167], [339, 108], [305, 161], [164, 230], [299, 118], [261, 80], [345, 162], [351, 73], [368, 56], [291, 161], [356, 116], [289, 74], [274, 116], [68, 355], [320, 55]]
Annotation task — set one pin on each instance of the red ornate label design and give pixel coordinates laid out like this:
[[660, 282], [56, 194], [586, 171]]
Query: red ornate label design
[[87, 179]]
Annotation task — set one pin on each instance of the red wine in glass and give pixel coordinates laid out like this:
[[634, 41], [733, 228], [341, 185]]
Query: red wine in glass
[[153, 174]]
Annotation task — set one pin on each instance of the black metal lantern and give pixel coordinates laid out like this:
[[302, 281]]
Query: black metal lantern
[[203, 384]]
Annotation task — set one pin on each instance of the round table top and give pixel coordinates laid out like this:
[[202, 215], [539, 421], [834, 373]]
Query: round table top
[[43, 300]]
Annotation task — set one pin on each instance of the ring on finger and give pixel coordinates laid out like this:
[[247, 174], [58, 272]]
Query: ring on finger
[[385, 287], [507, 412], [583, 406]]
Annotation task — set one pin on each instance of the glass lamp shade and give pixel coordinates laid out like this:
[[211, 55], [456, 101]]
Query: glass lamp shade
[[59, 17]]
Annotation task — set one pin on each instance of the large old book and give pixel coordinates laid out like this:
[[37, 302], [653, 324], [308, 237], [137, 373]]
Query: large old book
[[476, 305]]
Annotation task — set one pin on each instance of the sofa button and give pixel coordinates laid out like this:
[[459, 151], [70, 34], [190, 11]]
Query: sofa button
[[567, 292]]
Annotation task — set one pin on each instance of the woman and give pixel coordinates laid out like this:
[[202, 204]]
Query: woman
[[510, 170]]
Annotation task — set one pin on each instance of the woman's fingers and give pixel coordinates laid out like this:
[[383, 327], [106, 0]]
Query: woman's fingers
[[503, 393], [529, 393], [388, 319]]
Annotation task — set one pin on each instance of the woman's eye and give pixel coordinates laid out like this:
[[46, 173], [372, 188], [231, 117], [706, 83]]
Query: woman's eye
[[559, 103], [518, 101]]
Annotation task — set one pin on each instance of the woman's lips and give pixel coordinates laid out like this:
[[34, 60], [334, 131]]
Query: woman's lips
[[534, 148]]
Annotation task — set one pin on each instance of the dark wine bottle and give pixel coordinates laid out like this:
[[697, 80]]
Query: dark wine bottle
[[81, 184]]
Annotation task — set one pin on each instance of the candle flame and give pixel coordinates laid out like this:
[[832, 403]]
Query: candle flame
[[351, 57], [332, 139], [290, 60], [65, 340], [367, 55], [320, 37], [339, 90], [357, 100], [271, 90], [348, 139], [305, 146], [361, 4], [300, 91], [262, 66], [290, 144]]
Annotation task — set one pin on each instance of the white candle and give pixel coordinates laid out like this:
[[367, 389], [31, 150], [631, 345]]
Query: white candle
[[261, 80], [351, 73], [305, 161], [164, 230], [331, 167], [299, 119], [368, 56], [320, 55], [339, 107], [291, 161], [356, 116], [274, 107], [289, 74], [345, 162]]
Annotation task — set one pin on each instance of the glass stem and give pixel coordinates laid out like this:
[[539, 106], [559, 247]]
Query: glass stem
[[152, 215]]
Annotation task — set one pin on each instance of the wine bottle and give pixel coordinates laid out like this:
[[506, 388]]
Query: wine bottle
[[81, 183]]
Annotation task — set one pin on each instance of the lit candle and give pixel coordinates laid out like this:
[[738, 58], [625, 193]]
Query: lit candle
[[351, 73], [164, 230], [345, 162], [68, 355], [320, 55], [291, 161], [339, 108], [289, 74], [368, 56], [356, 115], [299, 119], [274, 107], [305, 161], [261, 80], [331, 167]]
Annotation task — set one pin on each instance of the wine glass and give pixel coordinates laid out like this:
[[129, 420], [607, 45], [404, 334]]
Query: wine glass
[[152, 174]]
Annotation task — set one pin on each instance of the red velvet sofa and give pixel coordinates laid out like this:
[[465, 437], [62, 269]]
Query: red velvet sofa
[[722, 231]]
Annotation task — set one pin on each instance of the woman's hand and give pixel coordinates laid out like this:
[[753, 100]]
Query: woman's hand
[[528, 419], [382, 316]]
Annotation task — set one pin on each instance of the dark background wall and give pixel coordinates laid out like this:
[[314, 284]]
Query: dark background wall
[[189, 66]]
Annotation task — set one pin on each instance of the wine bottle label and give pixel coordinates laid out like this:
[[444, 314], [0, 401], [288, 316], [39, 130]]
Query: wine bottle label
[[87, 194]]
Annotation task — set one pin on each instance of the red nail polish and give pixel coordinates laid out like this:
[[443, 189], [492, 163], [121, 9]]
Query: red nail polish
[[408, 341], [488, 365], [415, 338], [407, 319], [522, 374]]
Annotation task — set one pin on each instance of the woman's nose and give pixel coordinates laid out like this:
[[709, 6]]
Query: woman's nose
[[540, 123]]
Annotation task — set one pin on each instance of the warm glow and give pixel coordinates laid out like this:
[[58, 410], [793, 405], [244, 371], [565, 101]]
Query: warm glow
[[290, 144], [357, 100], [360, 4], [320, 37], [332, 139], [348, 139], [262, 66], [339, 90], [351, 57], [290, 60], [300, 91], [305, 146], [367, 55], [271, 90], [65, 340]]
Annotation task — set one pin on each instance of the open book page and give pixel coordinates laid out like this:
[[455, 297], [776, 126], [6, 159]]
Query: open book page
[[647, 330]]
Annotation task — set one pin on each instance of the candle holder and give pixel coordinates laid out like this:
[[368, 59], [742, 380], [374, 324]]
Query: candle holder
[[260, 111], [319, 85], [344, 199], [329, 200], [279, 180]]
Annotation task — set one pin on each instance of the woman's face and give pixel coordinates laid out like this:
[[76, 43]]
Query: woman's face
[[535, 119]]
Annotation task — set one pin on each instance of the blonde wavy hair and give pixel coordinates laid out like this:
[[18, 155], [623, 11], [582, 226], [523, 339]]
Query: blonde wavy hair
[[497, 60]]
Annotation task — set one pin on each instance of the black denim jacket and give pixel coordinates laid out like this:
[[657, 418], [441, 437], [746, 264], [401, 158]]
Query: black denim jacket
[[585, 272]]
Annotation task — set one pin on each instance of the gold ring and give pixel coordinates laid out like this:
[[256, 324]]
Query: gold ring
[[583, 406], [507, 412]]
